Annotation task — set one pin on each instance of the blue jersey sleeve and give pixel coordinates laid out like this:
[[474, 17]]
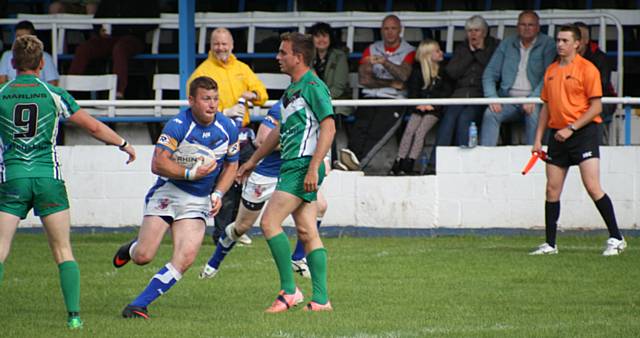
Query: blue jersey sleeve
[[173, 133], [273, 116]]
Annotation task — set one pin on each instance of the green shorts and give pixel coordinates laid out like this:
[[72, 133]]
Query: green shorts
[[291, 180], [45, 195]]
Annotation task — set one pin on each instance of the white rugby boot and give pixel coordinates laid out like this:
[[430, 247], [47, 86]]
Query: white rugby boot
[[545, 249], [614, 247]]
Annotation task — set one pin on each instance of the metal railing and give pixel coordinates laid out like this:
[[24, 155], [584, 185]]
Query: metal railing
[[620, 123]]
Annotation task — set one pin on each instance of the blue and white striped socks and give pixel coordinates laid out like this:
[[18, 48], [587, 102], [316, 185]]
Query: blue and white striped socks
[[159, 285], [225, 244]]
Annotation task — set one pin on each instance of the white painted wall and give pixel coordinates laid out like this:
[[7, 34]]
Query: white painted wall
[[474, 188]]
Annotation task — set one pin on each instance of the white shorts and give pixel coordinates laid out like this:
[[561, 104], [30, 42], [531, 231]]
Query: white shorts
[[170, 201], [259, 188]]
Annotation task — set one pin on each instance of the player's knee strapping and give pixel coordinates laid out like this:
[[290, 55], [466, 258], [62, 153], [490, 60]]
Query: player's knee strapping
[[231, 233], [226, 242], [252, 206]]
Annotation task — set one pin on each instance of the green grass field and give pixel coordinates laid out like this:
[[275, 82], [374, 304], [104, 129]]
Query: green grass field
[[478, 286]]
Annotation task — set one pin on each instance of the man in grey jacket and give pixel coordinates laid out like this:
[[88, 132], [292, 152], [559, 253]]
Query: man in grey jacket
[[516, 69]]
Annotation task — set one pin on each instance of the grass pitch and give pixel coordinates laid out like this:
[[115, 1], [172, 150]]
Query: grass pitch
[[478, 286]]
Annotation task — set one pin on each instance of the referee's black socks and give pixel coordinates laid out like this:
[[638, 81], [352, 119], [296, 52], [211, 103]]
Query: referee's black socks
[[551, 214], [605, 207]]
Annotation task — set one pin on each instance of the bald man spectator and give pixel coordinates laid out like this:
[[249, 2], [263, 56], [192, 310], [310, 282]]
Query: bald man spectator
[[384, 68], [235, 79]]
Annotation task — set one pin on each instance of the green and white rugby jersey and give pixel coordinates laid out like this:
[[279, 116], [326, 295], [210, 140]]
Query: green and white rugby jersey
[[304, 104], [29, 113]]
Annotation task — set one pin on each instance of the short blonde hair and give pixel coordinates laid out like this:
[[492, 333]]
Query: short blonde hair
[[27, 53]]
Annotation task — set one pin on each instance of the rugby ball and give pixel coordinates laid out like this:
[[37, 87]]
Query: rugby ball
[[188, 154]]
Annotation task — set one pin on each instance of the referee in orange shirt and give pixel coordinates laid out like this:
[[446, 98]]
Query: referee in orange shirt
[[572, 104]]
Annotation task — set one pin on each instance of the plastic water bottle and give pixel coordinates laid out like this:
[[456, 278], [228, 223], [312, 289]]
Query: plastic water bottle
[[473, 135], [238, 119]]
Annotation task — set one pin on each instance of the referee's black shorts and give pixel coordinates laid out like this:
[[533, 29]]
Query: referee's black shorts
[[582, 145]]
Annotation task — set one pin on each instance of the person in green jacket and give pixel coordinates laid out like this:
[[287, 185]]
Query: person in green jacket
[[331, 64]]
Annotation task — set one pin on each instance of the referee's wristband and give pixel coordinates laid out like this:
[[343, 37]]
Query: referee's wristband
[[124, 144], [572, 127]]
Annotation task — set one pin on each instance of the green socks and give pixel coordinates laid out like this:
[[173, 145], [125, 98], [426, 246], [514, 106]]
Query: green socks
[[1, 272], [281, 252], [317, 262], [70, 284]]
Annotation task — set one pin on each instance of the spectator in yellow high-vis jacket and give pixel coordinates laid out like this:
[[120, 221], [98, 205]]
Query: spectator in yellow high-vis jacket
[[235, 79]]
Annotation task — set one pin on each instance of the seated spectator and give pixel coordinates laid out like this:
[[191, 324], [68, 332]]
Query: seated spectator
[[426, 81], [384, 68], [517, 69], [589, 50], [7, 73], [331, 64], [124, 42], [466, 68]]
